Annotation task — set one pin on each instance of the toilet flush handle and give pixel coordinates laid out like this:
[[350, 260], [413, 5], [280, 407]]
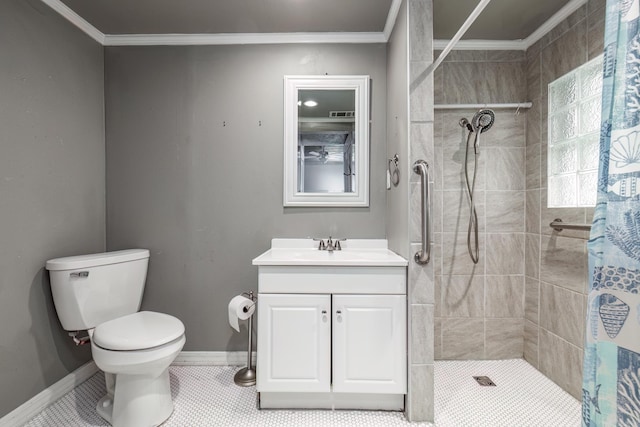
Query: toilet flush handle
[[79, 274]]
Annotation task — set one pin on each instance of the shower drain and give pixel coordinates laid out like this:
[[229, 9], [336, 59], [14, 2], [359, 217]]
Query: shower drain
[[484, 381]]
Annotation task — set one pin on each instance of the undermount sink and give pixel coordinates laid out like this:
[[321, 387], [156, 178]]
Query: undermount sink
[[355, 252]]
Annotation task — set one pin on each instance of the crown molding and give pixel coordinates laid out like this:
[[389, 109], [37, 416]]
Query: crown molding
[[76, 20], [391, 19], [557, 18], [239, 38], [523, 44], [285, 38]]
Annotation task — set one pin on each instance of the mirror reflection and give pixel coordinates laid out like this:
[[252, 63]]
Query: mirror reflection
[[326, 141]]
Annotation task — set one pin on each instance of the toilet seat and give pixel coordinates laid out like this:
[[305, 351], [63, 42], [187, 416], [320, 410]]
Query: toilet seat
[[138, 331]]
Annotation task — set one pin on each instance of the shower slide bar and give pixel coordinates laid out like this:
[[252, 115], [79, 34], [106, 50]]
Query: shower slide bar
[[558, 225], [423, 256], [514, 105]]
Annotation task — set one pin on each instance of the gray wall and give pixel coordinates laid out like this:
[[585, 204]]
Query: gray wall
[[556, 262], [194, 169], [51, 186], [480, 308], [397, 212]]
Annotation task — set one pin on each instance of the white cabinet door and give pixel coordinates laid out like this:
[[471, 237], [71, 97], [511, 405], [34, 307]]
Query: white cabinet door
[[369, 344], [294, 343]]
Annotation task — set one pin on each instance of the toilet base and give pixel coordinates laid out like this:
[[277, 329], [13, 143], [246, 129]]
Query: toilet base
[[138, 400]]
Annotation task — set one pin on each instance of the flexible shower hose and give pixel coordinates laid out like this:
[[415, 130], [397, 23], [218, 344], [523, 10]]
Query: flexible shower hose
[[474, 252]]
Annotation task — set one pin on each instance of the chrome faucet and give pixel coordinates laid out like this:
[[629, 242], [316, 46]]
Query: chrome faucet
[[330, 245]]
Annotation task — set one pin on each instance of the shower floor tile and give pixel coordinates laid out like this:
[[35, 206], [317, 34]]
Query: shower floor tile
[[206, 396]]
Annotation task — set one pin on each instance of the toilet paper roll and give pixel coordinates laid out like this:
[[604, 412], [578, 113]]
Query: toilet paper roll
[[240, 308]]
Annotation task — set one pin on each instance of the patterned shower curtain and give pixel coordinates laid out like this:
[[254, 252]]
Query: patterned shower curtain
[[611, 386]]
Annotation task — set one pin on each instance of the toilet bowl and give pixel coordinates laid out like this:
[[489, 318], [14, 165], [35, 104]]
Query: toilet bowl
[[135, 352], [102, 293]]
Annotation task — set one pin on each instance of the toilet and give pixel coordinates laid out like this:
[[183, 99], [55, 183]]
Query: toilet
[[102, 293]]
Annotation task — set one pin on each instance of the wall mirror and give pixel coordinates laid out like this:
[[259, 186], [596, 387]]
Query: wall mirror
[[326, 141]]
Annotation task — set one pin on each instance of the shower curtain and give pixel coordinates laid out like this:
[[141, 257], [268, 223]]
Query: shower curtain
[[611, 384]]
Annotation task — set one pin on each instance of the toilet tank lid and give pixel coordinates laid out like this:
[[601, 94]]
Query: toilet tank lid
[[94, 260], [138, 331]]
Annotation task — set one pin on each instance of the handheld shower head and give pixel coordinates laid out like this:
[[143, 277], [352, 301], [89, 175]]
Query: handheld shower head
[[463, 122], [483, 120]]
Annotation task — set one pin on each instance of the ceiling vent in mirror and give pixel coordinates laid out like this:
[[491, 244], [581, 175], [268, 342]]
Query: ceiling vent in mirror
[[342, 113]]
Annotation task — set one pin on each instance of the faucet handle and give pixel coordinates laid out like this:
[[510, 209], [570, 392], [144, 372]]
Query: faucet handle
[[321, 245], [336, 244]]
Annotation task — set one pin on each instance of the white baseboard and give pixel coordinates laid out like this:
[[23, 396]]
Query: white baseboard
[[25, 412], [32, 407], [213, 358]]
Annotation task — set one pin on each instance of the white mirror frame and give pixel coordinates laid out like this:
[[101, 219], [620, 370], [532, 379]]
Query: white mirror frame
[[360, 196]]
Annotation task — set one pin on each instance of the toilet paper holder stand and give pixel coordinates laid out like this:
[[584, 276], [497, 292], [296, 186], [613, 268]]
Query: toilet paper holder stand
[[246, 377]]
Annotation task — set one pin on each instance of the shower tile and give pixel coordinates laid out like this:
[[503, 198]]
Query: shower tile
[[437, 350], [595, 35], [462, 338], [455, 255], [436, 210], [531, 299], [532, 255], [421, 92], [504, 338], [422, 137], [561, 362], [456, 211], [561, 312], [504, 296], [453, 154], [505, 81], [566, 26], [532, 166], [422, 334], [533, 76], [507, 131], [464, 82], [505, 167], [421, 280], [505, 211], [505, 253], [467, 56], [420, 30], [438, 90], [505, 56], [462, 296], [596, 7], [531, 342], [533, 123], [532, 211], [565, 53], [563, 262], [422, 391]]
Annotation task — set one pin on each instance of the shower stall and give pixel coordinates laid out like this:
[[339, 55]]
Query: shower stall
[[501, 283]]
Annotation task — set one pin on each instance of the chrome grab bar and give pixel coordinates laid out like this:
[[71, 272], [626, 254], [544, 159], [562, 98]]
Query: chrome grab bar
[[558, 225], [423, 256]]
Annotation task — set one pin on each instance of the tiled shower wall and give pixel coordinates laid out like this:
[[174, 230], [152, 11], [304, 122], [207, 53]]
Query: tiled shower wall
[[556, 262], [479, 310], [420, 278]]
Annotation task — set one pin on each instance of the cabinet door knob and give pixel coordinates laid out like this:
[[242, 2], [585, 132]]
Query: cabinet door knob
[[324, 315], [339, 315]]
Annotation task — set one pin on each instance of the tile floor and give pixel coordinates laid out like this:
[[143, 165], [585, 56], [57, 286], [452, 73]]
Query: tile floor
[[206, 396]]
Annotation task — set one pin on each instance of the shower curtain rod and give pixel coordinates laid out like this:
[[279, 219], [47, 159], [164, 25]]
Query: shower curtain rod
[[497, 106]]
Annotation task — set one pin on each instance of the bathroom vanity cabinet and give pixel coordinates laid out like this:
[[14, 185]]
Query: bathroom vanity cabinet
[[332, 336]]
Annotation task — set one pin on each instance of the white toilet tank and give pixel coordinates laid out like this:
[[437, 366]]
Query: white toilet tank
[[92, 289]]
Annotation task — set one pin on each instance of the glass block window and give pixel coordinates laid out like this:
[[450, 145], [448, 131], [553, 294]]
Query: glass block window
[[574, 136]]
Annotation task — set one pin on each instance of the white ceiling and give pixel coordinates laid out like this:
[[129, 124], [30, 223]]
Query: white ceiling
[[347, 20]]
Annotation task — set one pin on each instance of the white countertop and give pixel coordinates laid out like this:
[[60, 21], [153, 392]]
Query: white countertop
[[355, 252]]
